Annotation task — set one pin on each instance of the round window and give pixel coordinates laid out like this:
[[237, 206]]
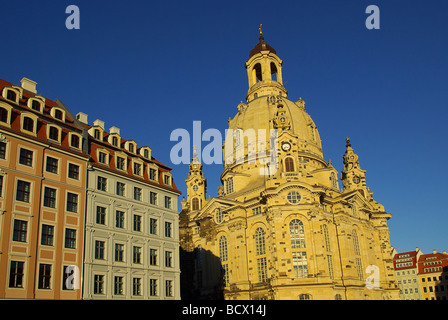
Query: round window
[[293, 197]]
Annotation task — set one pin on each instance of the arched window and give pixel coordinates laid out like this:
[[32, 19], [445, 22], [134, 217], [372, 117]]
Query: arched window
[[53, 133], [304, 297], [326, 237], [273, 71], [334, 180], [223, 248], [229, 185], [195, 204], [260, 246], [3, 115], [337, 296], [355, 242], [11, 95], [258, 73], [28, 124], [297, 234], [289, 165], [219, 216]]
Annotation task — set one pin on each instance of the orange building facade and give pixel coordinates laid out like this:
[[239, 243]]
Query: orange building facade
[[42, 200]]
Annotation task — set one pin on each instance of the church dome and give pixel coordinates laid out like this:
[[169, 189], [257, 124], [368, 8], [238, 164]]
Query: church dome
[[261, 46], [268, 112]]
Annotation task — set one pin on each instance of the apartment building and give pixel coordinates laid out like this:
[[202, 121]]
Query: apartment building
[[42, 195], [406, 272], [132, 242], [433, 275]]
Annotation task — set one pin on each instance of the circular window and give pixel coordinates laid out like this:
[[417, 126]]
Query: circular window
[[293, 197]]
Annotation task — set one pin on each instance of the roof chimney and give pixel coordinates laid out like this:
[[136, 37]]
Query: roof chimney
[[444, 251], [99, 123], [434, 251], [82, 117], [29, 85], [114, 129]]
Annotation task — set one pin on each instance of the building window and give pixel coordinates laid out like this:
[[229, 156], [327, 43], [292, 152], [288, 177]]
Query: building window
[[153, 257], [223, 249], [70, 238], [356, 243], [100, 215], [1, 186], [167, 202], [137, 194], [11, 95], [131, 148], [99, 249], [16, 274], [49, 197], [289, 165], [119, 219], [102, 157], [52, 165], [152, 174], [97, 134], [36, 105], [168, 259], [73, 171], [20, 229], [137, 223], [219, 216], [4, 115], [168, 229], [137, 255], [195, 204], [229, 185], [297, 233], [121, 163], [330, 266], [262, 269], [119, 252], [167, 180], [260, 245], [23, 191], [115, 141], [98, 287], [58, 114], [137, 169], [75, 141], [326, 235], [300, 264], [26, 157], [152, 226], [293, 197], [153, 287], [2, 150], [121, 189], [153, 198], [28, 124], [68, 274], [101, 183], [53, 133], [118, 285], [169, 288], [137, 286], [72, 202], [304, 297], [44, 276]]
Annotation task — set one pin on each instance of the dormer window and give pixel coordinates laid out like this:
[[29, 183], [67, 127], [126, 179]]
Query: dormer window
[[145, 152], [75, 140], [35, 105], [115, 141], [28, 124], [53, 133], [96, 134], [58, 113], [167, 180], [4, 115], [103, 156], [131, 148], [11, 95]]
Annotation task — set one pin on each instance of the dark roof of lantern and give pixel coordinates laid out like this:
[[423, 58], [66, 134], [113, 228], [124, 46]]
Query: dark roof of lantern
[[261, 46]]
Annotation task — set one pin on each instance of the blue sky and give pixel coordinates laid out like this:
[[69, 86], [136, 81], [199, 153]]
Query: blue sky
[[150, 67]]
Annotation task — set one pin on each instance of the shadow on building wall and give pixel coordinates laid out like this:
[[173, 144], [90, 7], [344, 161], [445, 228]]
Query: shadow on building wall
[[441, 287], [201, 275]]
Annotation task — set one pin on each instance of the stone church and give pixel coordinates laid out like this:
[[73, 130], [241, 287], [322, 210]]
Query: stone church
[[282, 229]]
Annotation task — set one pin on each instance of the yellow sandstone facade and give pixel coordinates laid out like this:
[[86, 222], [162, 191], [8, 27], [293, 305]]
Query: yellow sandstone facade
[[281, 227]]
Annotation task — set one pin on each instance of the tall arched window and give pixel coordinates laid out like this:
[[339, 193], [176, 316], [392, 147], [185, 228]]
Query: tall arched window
[[229, 185], [195, 203], [356, 242], [260, 244], [326, 237], [358, 261], [258, 73], [289, 165], [223, 248], [297, 234], [273, 71]]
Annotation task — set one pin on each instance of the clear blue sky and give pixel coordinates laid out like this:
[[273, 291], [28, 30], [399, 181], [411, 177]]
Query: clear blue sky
[[149, 67]]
